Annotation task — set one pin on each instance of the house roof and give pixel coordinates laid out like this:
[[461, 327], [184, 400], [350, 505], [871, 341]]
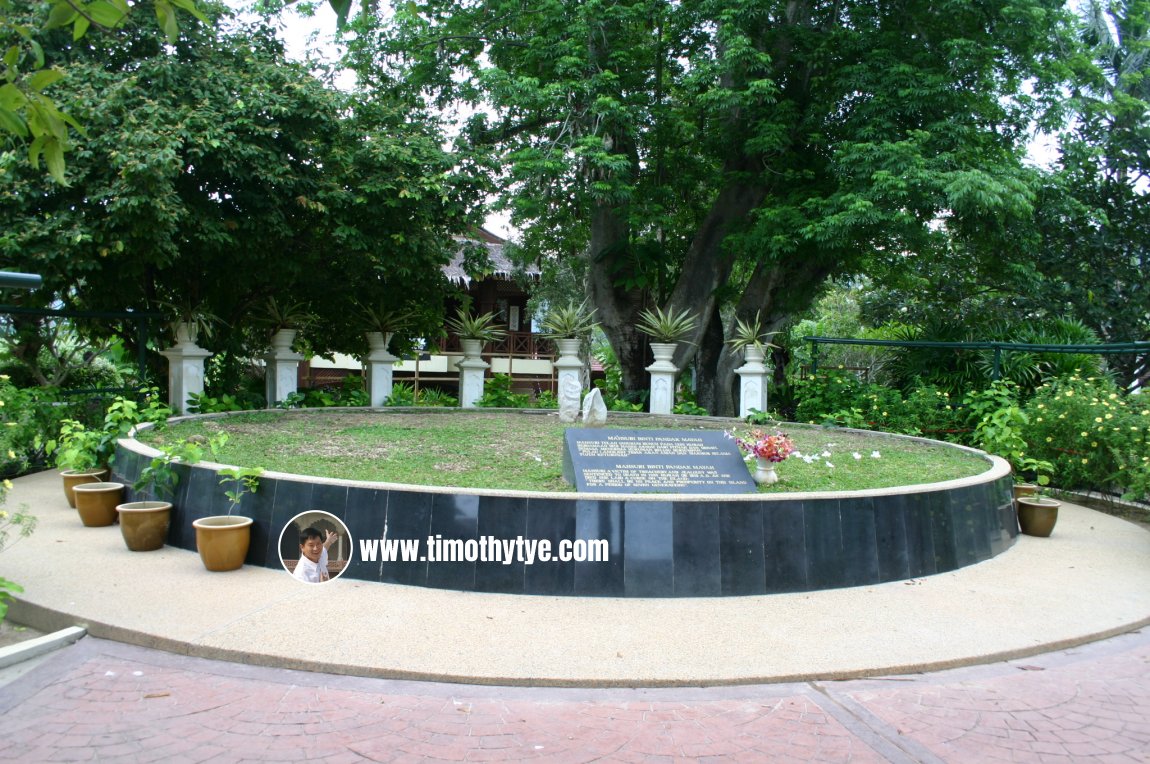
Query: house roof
[[502, 267]]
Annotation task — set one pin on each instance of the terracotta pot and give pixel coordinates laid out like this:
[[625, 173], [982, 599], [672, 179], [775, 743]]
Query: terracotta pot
[[223, 541], [96, 502], [1037, 516], [73, 478], [144, 524], [1021, 490]]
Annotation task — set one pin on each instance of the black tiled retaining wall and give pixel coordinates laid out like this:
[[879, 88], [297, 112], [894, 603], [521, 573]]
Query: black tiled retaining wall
[[658, 548]]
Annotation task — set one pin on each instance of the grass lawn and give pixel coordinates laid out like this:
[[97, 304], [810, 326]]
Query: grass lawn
[[513, 450]]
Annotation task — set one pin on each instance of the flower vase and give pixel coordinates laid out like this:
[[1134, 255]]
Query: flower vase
[[764, 473]]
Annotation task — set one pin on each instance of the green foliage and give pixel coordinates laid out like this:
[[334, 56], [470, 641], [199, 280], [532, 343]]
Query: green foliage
[[434, 397], [216, 173], [159, 477], [689, 408], [14, 525], [243, 480], [569, 321], [750, 334], [545, 399], [704, 156], [81, 448], [497, 394], [351, 392], [1095, 436], [667, 326], [472, 327], [202, 403], [999, 428], [838, 398], [402, 394]]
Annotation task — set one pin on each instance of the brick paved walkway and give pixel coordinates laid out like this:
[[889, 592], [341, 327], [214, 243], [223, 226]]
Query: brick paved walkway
[[109, 702]]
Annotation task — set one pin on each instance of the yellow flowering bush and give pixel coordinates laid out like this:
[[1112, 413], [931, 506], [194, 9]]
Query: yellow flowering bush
[[1099, 438]]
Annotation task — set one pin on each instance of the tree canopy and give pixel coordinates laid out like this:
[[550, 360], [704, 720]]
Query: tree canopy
[[216, 174], [729, 157]]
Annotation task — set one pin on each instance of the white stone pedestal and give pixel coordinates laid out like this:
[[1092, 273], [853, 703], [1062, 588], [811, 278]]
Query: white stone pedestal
[[753, 387], [282, 377], [471, 370], [379, 366], [185, 370], [570, 380], [663, 374]]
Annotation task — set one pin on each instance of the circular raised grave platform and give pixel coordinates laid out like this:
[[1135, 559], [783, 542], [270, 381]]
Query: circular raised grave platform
[[657, 545]]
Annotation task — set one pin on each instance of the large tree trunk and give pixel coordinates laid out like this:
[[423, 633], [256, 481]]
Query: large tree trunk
[[773, 294], [617, 309]]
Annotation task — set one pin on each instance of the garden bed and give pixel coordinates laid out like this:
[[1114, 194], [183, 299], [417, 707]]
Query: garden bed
[[518, 450]]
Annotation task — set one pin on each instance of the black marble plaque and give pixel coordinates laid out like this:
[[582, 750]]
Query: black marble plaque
[[654, 461]]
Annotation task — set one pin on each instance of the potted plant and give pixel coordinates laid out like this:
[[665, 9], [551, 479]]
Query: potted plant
[[665, 329], [474, 330], [223, 540], [84, 453], [79, 455], [751, 339], [568, 325], [96, 502], [190, 322], [1037, 514], [382, 322], [284, 321], [144, 522]]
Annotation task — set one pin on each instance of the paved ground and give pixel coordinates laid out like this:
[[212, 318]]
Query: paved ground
[[1068, 610], [105, 701]]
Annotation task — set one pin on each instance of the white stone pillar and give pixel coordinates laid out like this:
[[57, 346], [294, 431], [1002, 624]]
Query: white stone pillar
[[570, 379], [753, 387], [471, 370], [185, 368], [663, 374], [378, 365], [282, 375]]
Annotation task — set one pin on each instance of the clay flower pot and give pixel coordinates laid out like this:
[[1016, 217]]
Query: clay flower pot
[[144, 524], [73, 478], [96, 502], [222, 541], [1037, 516]]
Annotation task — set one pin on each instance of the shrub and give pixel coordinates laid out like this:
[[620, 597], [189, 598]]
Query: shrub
[[497, 394], [434, 397], [1093, 434], [402, 394]]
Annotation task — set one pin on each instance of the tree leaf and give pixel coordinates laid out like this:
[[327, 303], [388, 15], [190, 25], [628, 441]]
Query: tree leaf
[[11, 98], [44, 78], [80, 28], [105, 14], [10, 122], [54, 155], [167, 18], [61, 15], [190, 7]]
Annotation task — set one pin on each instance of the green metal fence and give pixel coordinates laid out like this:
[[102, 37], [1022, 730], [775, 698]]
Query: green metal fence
[[999, 348]]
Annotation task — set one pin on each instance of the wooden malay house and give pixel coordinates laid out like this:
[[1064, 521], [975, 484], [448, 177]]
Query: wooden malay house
[[523, 354]]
